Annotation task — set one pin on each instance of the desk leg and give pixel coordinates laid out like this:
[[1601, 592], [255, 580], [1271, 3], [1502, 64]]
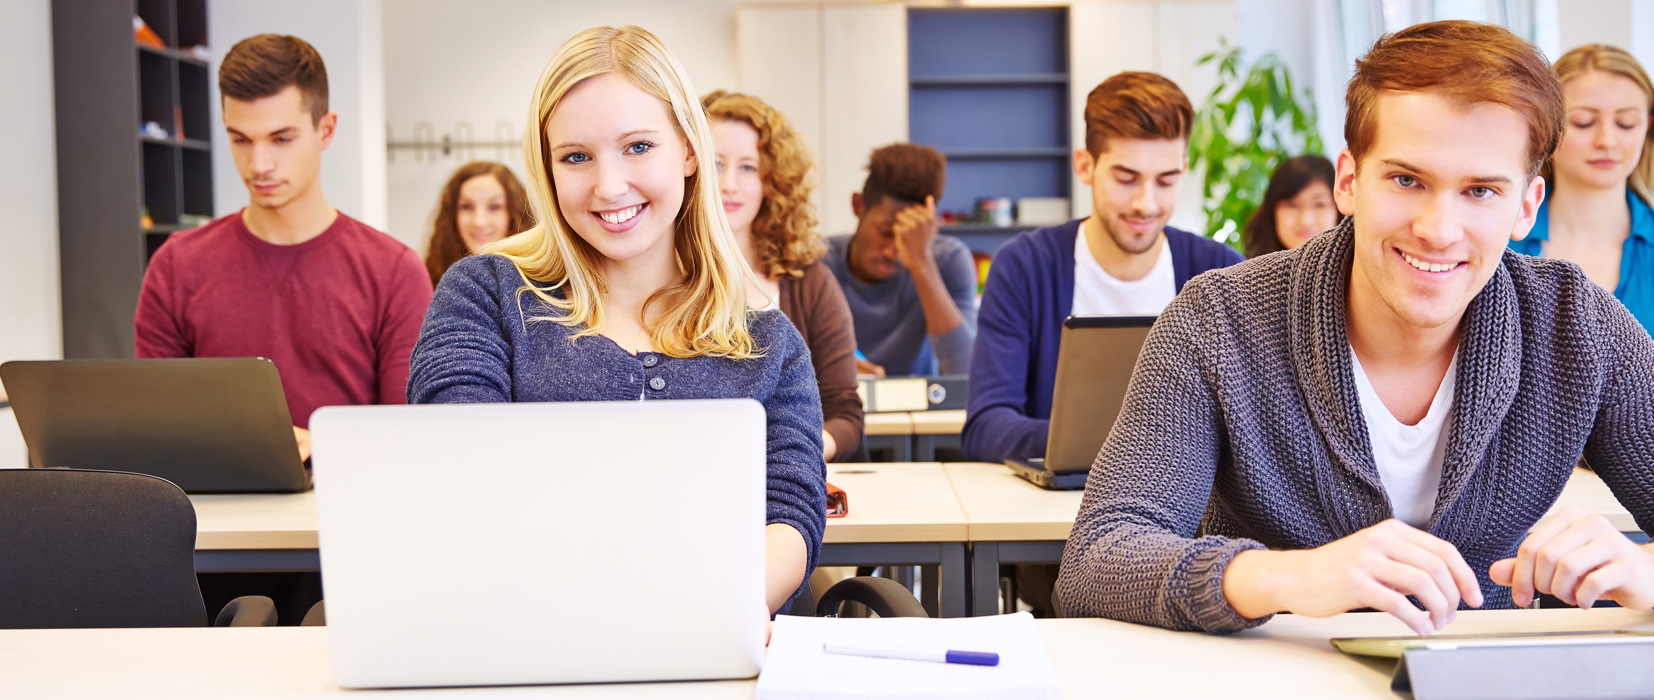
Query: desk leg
[[930, 589], [955, 577], [924, 448], [984, 578]]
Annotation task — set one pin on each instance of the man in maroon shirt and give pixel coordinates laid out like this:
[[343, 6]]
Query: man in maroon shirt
[[333, 302]]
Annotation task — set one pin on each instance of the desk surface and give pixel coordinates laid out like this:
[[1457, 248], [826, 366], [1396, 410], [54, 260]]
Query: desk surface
[[1002, 507], [1286, 658], [889, 502], [896, 423], [938, 422]]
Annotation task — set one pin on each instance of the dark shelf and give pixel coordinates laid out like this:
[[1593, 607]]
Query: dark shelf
[[1007, 153], [989, 79], [168, 228], [194, 144], [180, 55]]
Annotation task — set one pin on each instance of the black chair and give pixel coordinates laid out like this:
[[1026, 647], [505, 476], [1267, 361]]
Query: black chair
[[82, 548]]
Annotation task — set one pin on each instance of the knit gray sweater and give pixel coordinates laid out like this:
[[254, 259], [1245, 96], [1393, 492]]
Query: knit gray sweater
[[1242, 430]]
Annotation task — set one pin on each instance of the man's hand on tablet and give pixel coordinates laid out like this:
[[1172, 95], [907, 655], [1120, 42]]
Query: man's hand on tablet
[[1580, 558], [303, 437], [1375, 568]]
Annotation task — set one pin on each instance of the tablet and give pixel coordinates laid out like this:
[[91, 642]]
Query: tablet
[[1393, 647]]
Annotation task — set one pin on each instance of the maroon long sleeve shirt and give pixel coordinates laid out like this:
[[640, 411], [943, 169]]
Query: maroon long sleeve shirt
[[338, 314]]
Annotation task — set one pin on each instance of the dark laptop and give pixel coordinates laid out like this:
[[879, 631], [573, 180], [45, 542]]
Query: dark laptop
[[209, 425], [1093, 370]]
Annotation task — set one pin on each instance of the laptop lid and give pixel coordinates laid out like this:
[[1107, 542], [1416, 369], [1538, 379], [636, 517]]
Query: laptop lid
[[209, 425], [1094, 368], [506, 544]]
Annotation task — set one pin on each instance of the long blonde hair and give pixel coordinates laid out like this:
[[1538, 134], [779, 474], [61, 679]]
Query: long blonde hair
[[706, 313], [1612, 59]]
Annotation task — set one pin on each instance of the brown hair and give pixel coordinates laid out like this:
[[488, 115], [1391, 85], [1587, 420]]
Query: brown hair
[[1611, 59], [263, 65], [905, 172], [1469, 62], [784, 233], [1135, 105], [447, 246]]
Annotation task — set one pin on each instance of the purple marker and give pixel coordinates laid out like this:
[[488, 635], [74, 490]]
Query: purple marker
[[973, 658]]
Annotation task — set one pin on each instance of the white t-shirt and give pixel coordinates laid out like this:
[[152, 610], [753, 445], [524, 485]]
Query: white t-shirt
[[1098, 293], [1409, 457]]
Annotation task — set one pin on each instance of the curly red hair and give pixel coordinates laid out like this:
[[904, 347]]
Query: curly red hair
[[784, 233]]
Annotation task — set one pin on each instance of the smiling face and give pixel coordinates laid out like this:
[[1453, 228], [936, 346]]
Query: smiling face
[[740, 184], [481, 217], [1439, 192], [1606, 129], [1134, 188], [277, 146], [618, 165], [1307, 213]]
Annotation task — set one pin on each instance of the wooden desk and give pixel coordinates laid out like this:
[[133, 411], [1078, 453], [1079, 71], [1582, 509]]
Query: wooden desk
[[890, 431], [900, 514], [1287, 658], [933, 429], [1015, 522]]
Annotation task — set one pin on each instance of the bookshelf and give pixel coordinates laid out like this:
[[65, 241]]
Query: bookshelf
[[108, 86]]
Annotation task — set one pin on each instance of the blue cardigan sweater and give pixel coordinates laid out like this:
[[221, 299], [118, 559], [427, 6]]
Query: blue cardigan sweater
[[477, 347], [1030, 292]]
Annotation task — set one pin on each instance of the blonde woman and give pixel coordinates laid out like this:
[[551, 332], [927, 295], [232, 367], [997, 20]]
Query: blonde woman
[[631, 285], [1596, 213], [763, 177]]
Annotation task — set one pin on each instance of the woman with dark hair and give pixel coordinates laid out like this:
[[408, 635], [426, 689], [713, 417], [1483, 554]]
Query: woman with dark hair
[[1297, 205], [482, 203]]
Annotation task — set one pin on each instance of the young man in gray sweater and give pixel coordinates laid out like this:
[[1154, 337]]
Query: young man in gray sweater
[[1390, 410]]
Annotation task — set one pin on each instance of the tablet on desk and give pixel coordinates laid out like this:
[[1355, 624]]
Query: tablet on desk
[[1394, 647]]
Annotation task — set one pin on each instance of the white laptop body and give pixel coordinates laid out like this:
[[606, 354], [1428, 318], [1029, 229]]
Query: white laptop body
[[510, 544]]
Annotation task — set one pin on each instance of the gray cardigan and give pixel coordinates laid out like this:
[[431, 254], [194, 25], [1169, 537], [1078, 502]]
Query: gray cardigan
[[476, 347], [1242, 430]]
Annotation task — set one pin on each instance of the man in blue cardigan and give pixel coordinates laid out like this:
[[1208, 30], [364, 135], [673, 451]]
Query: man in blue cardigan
[[1128, 262]]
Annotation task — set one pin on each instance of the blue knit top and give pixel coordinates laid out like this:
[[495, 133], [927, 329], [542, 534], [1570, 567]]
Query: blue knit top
[[476, 346]]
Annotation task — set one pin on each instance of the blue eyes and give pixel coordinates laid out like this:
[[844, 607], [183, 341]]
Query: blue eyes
[[578, 158], [1405, 180]]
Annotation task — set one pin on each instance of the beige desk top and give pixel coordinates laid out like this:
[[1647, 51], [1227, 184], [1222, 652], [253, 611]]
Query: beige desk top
[[896, 502], [894, 423], [938, 422], [273, 521], [1287, 658], [892, 503], [1002, 507]]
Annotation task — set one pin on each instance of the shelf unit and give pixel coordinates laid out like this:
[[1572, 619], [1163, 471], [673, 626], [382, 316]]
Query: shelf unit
[[989, 89], [109, 171]]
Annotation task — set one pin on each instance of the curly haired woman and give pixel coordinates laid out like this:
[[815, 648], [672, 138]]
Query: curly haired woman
[[763, 177]]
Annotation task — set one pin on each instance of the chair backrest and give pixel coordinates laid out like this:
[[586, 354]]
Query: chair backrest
[[96, 549]]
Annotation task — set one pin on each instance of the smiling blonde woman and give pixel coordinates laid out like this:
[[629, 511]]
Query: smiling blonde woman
[[631, 285]]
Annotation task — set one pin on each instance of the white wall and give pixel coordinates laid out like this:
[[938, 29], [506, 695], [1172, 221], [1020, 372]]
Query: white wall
[[476, 62], [31, 325], [348, 34]]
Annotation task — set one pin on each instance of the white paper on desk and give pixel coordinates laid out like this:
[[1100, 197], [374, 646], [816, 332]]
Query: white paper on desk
[[796, 668]]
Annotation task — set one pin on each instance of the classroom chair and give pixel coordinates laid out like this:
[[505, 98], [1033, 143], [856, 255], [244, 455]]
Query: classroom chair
[[82, 548]]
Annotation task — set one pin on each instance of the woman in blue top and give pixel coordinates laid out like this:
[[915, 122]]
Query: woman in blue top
[[1596, 214], [631, 286]]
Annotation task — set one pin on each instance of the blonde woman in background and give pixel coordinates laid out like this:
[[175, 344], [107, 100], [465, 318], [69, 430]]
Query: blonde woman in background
[[482, 203], [1596, 213], [763, 178], [633, 286]]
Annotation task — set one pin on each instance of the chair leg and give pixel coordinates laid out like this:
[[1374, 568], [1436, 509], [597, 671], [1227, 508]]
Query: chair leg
[[248, 611]]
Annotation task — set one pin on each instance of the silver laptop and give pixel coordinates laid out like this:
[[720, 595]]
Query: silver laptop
[[209, 425], [514, 544], [1094, 368]]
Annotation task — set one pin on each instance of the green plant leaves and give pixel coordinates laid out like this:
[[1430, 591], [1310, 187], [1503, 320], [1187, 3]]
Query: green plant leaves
[[1247, 125]]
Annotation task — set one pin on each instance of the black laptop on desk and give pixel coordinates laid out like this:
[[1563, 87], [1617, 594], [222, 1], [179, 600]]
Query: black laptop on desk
[[209, 425], [1094, 369]]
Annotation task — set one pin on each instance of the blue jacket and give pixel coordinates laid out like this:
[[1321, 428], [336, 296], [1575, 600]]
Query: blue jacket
[[1030, 292], [1636, 287], [477, 347]]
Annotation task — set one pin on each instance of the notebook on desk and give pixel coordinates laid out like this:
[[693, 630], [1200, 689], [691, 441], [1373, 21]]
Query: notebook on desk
[[1094, 368]]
